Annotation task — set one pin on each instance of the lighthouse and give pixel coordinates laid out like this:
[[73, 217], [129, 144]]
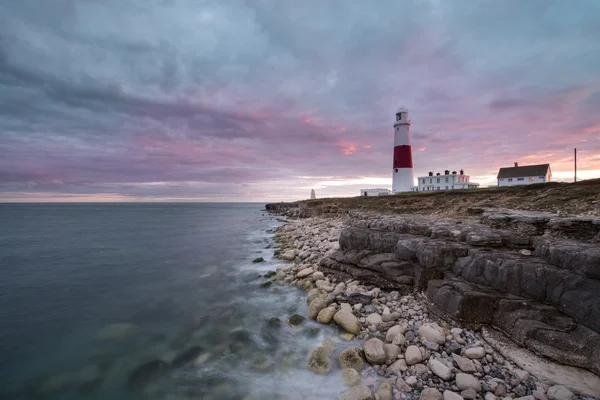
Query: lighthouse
[[402, 174]]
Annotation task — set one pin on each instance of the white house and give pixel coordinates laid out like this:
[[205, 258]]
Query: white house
[[524, 175], [448, 181], [374, 192]]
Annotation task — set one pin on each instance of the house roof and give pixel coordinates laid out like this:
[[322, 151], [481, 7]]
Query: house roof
[[525, 170]]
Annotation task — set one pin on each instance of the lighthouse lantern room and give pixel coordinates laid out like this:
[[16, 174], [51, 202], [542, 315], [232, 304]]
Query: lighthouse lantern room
[[402, 174]]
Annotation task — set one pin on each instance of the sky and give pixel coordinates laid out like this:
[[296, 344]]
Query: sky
[[264, 100]]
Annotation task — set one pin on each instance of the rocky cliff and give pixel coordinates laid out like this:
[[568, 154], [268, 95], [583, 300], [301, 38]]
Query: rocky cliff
[[535, 276]]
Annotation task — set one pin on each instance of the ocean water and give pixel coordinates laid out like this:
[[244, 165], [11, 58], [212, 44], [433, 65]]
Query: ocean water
[[91, 292]]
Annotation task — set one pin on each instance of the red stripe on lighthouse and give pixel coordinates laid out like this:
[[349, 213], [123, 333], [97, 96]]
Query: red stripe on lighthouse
[[403, 156]]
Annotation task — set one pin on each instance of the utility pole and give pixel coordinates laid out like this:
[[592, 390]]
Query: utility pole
[[575, 158]]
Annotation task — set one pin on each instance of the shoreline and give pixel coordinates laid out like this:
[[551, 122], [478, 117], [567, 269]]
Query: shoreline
[[408, 351]]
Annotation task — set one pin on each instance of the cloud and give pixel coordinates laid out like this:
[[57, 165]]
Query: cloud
[[235, 100]]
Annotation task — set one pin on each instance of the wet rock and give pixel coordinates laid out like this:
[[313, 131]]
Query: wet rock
[[351, 377], [413, 355], [374, 351], [352, 358], [295, 320], [433, 333], [346, 336], [259, 260], [274, 323], [187, 357], [440, 369], [466, 381], [325, 316], [288, 255], [315, 307], [430, 394], [318, 361], [384, 390], [147, 373], [304, 273], [358, 393], [559, 392], [347, 320]]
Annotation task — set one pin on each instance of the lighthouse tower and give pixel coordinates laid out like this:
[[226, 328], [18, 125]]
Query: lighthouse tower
[[402, 174]]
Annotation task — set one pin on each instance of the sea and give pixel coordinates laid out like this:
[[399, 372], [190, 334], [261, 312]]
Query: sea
[[150, 301]]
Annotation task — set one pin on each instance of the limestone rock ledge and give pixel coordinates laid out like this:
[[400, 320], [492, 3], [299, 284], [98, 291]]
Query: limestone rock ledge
[[533, 276]]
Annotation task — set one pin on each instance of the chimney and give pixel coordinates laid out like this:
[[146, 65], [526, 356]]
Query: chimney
[[430, 173], [516, 164], [438, 174], [462, 172], [446, 172], [453, 172]]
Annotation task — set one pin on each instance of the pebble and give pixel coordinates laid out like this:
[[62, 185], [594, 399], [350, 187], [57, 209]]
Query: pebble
[[448, 395], [413, 355], [430, 394], [475, 352]]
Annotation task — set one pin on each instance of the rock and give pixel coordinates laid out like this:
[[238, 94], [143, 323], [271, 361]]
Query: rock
[[402, 385], [288, 255], [187, 357], [384, 390], [357, 393], [304, 255], [490, 396], [317, 276], [346, 336], [464, 364], [304, 273], [398, 367], [391, 353], [521, 375], [411, 380], [475, 352], [466, 381], [440, 369], [433, 333], [347, 320], [393, 332], [274, 323], [351, 377], [318, 361], [430, 394], [525, 398], [413, 355], [259, 260], [352, 358], [374, 351], [525, 252], [326, 315], [500, 390], [399, 340], [539, 395], [448, 395], [315, 307], [315, 293], [374, 319], [469, 394], [559, 392], [146, 374], [295, 320]]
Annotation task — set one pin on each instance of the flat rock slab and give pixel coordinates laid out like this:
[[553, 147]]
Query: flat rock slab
[[578, 380]]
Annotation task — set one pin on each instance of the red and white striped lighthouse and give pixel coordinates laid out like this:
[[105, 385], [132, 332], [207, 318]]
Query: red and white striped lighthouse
[[402, 175]]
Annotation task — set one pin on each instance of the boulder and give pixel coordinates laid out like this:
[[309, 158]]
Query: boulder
[[393, 331], [288, 255], [433, 333], [295, 320], [347, 320], [440, 369], [326, 315], [357, 393], [318, 361], [351, 377], [304, 273], [315, 307], [317, 276], [384, 390], [559, 392], [374, 351], [352, 358], [430, 394], [467, 381], [475, 352], [448, 395], [413, 355]]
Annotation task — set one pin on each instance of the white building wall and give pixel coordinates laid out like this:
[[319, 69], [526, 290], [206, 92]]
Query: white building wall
[[443, 182], [524, 180], [374, 192]]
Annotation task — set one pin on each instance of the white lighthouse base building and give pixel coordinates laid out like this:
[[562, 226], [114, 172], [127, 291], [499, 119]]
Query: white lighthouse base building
[[448, 181]]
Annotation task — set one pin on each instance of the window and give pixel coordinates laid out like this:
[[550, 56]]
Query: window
[[501, 179], [542, 177], [446, 180], [520, 179], [395, 169], [431, 181], [446, 187], [438, 180], [510, 179], [438, 188]]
